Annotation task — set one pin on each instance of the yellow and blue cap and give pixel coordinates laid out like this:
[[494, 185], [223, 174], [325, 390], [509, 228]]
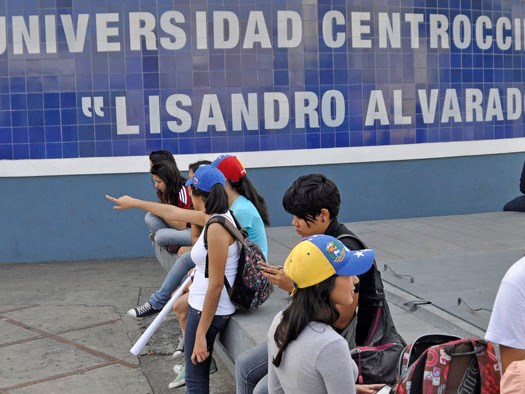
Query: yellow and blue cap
[[206, 177], [319, 257]]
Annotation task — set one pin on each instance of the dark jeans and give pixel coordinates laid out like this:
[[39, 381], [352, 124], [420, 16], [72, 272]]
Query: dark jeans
[[518, 205], [198, 376]]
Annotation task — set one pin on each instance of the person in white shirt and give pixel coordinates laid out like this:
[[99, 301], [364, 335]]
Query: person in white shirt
[[507, 322]]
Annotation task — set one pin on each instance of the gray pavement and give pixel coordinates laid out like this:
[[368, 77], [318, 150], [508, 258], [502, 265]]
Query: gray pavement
[[64, 329]]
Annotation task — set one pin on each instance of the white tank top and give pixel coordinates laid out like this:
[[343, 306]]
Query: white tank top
[[199, 287]]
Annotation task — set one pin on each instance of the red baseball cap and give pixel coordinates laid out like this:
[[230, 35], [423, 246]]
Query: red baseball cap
[[230, 166]]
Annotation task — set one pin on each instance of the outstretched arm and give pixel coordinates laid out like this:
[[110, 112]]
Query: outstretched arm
[[165, 211]]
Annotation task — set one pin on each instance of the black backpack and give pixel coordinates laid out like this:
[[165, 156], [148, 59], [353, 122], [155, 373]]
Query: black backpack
[[250, 288], [378, 356]]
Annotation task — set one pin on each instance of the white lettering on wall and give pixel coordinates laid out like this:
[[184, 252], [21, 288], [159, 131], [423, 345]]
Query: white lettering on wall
[[202, 29], [225, 30], [330, 19], [142, 24], [75, 38], [256, 31], [376, 109], [104, 32], [333, 109], [450, 107], [389, 30], [243, 112], [306, 105], [428, 107], [414, 20], [168, 22], [183, 117], [514, 103], [211, 114], [51, 34], [289, 38], [30, 36], [122, 118], [273, 120], [360, 29], [154, 114]]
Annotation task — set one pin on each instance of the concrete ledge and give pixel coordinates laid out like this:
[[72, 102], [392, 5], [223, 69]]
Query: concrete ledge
[[246, 329]]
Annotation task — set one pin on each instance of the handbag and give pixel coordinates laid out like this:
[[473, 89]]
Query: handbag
[[377, 357]]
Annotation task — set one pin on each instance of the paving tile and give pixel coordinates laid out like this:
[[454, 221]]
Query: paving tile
[[11, 333], [107, 380], [40, 359], [107, 339], [53, 320]]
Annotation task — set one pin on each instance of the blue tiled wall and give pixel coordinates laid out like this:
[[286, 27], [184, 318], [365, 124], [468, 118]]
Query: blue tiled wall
[[41, 94]]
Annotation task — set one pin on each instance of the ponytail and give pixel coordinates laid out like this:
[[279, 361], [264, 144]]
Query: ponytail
[[246, 188]]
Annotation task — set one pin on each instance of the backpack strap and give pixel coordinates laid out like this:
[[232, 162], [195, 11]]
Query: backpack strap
[[234, 232], [377, 276], [488, 363]]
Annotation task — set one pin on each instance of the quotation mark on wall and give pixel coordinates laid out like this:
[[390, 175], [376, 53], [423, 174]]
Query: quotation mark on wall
[[93, 104]]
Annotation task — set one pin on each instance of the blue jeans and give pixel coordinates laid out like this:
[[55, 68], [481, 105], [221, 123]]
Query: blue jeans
[[198, 376], [251, 370], [164, 234], [173, 279]]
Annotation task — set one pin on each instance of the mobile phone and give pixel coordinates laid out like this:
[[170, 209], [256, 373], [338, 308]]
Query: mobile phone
[[385, 390]]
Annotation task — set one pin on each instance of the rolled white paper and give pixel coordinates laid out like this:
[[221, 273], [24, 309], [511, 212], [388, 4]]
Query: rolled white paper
[[145, 337]]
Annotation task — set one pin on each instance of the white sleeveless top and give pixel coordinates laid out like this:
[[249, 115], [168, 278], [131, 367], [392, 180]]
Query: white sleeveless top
[[199, 287]]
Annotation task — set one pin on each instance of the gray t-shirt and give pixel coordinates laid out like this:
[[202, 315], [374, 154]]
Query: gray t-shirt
[[317, 362]]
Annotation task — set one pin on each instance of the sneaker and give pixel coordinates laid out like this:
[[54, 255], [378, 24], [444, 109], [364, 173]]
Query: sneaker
[[144, 310], [180, 380], [213, 366], [180, 370], [179, 350], [177, 368]]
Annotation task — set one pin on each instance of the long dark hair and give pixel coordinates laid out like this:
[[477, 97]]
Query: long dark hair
[[215, 201], [310, 304], [170, 175], [158, 156], [246, 188]]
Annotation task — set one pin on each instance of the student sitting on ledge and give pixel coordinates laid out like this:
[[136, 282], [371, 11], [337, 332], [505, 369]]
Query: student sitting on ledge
[[518, 204]]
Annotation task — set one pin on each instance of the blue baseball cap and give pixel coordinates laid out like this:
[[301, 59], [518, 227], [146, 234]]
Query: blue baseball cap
[[319, 257], [206, 177]]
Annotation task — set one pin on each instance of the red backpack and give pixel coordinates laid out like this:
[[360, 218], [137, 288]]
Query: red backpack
[[467, 365]]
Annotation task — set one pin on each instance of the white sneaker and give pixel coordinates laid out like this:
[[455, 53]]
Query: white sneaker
[[177, 368], [180, 380], [179, 350]]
